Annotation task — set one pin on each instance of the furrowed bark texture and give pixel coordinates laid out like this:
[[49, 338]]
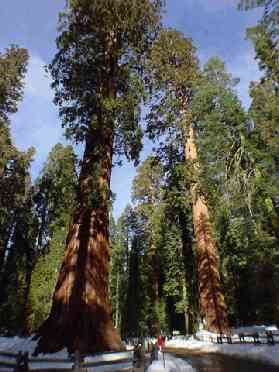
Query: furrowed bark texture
[[80, 317], [212, 303]]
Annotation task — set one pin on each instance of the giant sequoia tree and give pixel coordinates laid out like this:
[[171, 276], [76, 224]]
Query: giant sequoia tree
[[99, 85], [174, 66]]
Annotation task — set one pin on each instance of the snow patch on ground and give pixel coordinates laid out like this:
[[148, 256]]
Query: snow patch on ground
[[263, 352], [260, 352], [170, 364], [60, 359], [26, 344]]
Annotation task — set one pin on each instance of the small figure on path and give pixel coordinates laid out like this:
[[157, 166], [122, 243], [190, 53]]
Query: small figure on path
[[160, 341]]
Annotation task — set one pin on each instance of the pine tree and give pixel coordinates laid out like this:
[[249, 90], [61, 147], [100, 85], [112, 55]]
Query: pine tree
[[136, 323], [13, 65], [13, 164], [135, 317], [146, 190], [174, 284], [18, 265], [178, 239], [119, 241], [261, 146], [96, 72], [13, 190]]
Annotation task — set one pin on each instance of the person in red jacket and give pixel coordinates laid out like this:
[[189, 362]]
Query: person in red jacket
[[160, 342]]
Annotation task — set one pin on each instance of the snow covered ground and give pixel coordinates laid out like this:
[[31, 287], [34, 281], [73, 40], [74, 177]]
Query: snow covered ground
[[260, 352], [170, 364], [60, 359], [263, 352], [26, 344]]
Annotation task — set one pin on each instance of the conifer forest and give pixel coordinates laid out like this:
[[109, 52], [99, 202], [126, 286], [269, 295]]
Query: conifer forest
[[198, 240]]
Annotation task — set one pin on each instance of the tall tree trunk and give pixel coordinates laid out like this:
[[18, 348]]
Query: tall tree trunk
[[186, 307], [6, 236], [117, 308], [133, 307], [190, 268], [26, 292], [212, 304], [3, 249], [154, 287], [154, 266], [80, 317]]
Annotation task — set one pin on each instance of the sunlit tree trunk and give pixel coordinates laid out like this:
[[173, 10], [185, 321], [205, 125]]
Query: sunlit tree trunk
[[212, 305], [80, 317]]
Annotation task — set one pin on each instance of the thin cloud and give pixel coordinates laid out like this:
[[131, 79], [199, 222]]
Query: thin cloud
[[242, 66], [37, 123], [212, 6], [245, 67], [37, 82]]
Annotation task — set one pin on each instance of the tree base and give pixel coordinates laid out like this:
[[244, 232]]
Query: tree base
[[87, 332]]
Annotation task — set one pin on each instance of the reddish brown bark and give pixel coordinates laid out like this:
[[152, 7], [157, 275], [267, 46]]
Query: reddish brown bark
[[80, 317], [212, 303]]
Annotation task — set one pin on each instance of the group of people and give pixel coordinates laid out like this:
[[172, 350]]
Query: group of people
[[153, 348]]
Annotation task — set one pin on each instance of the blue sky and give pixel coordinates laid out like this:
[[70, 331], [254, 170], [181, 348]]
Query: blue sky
[[216, 27]]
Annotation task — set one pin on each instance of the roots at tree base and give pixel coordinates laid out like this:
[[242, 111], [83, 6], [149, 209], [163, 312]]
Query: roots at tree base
[[88, 331]]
